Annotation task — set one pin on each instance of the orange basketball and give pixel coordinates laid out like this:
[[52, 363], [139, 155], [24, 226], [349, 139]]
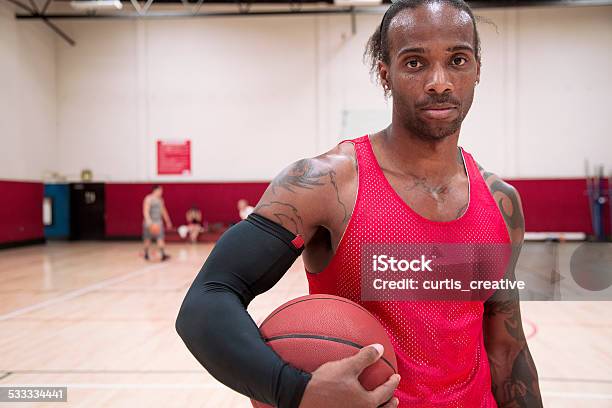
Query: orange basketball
[[311, 330], [154, 229]]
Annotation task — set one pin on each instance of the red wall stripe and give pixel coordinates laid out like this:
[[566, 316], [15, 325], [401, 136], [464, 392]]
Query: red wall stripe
[[559, 205], [216, 200], [21, 211], [549, 205]]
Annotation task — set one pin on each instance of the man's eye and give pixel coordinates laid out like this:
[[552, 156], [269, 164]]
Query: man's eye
[[458, 61], [414, 63]]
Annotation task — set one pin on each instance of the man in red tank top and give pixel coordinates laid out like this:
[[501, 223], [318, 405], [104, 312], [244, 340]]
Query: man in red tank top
[[411, 184]]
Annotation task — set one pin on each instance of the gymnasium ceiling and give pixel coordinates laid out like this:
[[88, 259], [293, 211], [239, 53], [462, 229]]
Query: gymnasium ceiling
[[55, 9], [51, 12]]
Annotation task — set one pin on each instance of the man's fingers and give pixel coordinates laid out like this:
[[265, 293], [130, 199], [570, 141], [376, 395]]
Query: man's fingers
[[385, 391], [394, 403], [366, 357]]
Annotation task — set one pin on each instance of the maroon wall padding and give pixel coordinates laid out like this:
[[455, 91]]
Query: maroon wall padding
[[550, 205], [216, 200], [556, 205], [21, 211]]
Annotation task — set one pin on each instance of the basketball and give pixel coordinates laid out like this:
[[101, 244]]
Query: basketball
[[155, 229], [311, 330]]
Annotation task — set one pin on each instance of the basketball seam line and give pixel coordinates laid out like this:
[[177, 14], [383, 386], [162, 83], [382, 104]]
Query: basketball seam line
[[318, 298], [327, 338]]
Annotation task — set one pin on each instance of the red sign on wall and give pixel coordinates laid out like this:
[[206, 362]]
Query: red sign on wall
[[173, 157]]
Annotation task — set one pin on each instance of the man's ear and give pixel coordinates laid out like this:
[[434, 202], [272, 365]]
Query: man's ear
[[383, 72]]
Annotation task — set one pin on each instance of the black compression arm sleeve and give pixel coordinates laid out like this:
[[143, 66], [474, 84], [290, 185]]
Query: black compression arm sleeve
[[213, 322]]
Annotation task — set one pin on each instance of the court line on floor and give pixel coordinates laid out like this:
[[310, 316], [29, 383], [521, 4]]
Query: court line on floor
[[571, 380], [79, 292], [534, 329], [216, 385], [104, 371], [44, 291], [86, 371], [52, 320], [124, 386], [577, 395], [5, 374]]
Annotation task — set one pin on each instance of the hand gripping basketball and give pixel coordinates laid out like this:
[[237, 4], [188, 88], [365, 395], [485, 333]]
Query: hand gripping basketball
[[336, 384], [327, 335]]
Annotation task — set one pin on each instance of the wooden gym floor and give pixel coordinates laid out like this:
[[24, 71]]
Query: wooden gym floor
[[98, 319]]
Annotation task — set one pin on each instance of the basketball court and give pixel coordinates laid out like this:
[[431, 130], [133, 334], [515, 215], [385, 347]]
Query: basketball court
[[211, 101]]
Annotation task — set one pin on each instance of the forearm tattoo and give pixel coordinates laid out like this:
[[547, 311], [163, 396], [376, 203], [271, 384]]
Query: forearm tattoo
[[514, 378]]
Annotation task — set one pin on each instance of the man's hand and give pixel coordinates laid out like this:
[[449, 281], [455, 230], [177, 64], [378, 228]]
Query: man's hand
[[335, 384]]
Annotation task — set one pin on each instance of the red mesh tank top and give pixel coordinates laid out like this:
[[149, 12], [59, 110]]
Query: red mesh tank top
[[439, 344]]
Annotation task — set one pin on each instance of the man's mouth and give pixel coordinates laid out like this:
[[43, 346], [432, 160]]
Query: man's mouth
[[440, 111]]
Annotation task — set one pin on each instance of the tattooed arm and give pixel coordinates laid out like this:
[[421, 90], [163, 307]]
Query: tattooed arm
[[513, 373], [312, 194], [247, 260], [310, 198]]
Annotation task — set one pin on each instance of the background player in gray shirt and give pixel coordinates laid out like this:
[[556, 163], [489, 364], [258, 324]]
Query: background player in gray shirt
[[153, 210]]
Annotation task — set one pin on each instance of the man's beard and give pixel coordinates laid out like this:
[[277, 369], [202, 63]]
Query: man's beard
[[428, 132], [431, 132]]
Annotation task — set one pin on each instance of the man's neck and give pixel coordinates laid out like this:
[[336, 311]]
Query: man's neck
[[411, 154]]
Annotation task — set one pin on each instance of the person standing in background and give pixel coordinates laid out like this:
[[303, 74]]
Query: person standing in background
[[153, 210]]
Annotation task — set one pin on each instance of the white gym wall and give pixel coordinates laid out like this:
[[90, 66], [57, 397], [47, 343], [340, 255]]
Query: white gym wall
[[255, 93], [27, 98]]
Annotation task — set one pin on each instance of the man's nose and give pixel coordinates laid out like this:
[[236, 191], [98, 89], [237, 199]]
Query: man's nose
[[439, 81]]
